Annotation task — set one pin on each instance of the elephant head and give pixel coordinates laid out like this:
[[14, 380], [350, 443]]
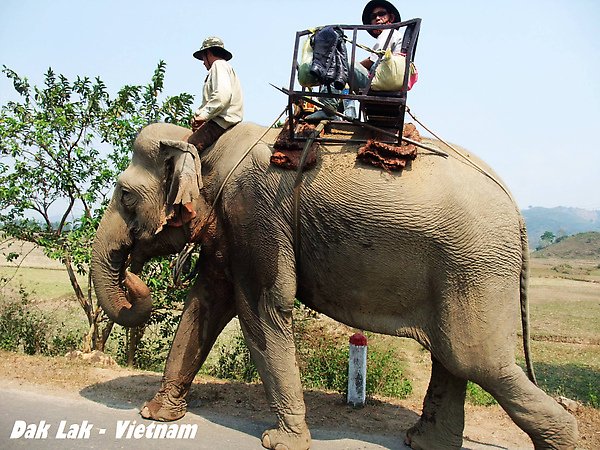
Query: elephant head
[[153, 203]]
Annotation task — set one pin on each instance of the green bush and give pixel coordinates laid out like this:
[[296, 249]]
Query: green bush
[[384, 374], [23, 328], [593, 396], [326, 367], [234, 362], [152, 348], [151, 354], [323, 362], [65, 342], [476, 395]]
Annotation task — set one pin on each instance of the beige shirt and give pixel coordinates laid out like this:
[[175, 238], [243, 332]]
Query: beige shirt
[[222, 99]]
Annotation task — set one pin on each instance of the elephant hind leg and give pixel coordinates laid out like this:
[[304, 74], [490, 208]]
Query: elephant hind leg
[[539, 415], [442, 421]]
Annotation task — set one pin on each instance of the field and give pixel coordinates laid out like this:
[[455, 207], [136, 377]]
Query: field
[[565, 322]]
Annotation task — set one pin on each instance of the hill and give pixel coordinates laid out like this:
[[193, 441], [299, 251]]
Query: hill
[[579, 246], [561, 221]]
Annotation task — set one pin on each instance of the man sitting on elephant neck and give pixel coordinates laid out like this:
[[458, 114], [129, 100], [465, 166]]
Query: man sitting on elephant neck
[[222, 100]]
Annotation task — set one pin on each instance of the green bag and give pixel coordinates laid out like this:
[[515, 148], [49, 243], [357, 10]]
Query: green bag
[[305, 78]]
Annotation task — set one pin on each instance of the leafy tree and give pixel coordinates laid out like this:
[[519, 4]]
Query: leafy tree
[[546, 239], [61, 148], [548, 236]]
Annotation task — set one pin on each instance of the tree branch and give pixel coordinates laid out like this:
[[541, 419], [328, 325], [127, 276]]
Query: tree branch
[[63, 219], [42, 212], [87, 307]]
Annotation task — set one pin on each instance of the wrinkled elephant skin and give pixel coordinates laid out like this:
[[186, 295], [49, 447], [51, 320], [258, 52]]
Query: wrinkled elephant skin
[[437, 253]]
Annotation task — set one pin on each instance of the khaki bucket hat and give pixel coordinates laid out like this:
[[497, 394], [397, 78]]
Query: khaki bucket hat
[[214, 43]]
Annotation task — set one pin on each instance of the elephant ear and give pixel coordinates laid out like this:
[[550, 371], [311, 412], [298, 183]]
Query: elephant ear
[[183, 180]]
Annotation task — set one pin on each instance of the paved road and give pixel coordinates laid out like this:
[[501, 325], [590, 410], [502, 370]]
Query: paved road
[[58, 420], [115, 426]]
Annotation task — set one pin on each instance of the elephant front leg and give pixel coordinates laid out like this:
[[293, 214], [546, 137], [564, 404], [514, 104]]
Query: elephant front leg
[[443, 418], [201, 322], [267, 327]]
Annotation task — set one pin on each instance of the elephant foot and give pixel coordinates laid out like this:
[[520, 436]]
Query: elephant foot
[[427, 434], [167, 405], [292, 434]]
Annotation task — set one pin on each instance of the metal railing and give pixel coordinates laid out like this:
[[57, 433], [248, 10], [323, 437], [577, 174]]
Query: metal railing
[[365, 96]]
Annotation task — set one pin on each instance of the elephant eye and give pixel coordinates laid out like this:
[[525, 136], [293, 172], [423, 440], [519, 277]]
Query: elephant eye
[[128, 199]]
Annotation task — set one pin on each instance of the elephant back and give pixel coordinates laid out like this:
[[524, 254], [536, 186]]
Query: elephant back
[[460, 180]]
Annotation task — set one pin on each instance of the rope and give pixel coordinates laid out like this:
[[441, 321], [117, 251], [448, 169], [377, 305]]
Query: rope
[[364, 47], [462, 155], [347, 39], [246, 153], [183, 257]]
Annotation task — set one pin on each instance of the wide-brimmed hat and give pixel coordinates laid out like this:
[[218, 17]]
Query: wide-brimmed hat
[[216, 43], [366, 15]]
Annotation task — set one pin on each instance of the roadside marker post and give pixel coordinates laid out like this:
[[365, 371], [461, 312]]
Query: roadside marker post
[[357, 370]]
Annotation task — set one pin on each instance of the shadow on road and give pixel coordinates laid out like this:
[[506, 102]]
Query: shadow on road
[[243, 407]]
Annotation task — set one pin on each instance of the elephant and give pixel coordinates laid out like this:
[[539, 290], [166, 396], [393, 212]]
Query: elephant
[[437, 252]]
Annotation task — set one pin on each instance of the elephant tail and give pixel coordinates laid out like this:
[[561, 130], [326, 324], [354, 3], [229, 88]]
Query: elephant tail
[[525, 303]]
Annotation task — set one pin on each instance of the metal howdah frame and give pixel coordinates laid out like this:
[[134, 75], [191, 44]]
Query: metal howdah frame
[[366, 96]]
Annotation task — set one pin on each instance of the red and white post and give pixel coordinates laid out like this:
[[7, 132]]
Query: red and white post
[[357, 370]]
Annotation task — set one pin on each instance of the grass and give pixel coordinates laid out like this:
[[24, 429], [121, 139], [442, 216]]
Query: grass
[[49, 291], [565, 323], [573, 269], [567, 369], [476, 395], [565, 309], [46, 284]]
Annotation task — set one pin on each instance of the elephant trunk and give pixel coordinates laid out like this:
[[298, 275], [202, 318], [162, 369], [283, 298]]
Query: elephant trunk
[[121, 294]]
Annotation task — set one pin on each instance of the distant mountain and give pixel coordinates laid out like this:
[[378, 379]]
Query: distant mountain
[[561, 221], [579, 246]]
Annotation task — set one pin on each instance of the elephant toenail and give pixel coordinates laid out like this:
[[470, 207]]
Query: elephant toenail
[[266, 441]]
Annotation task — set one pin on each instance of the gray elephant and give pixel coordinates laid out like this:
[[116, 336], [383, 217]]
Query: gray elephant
[[437, 253]]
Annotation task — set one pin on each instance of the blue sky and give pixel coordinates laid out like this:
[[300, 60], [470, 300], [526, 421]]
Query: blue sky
[[515, 82]]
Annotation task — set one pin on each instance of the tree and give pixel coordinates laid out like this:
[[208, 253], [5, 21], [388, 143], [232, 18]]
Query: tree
[[546, 239], [61, 148]]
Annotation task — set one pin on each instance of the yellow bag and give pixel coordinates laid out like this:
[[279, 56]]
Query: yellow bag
[[389, 74], [305, 78]]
